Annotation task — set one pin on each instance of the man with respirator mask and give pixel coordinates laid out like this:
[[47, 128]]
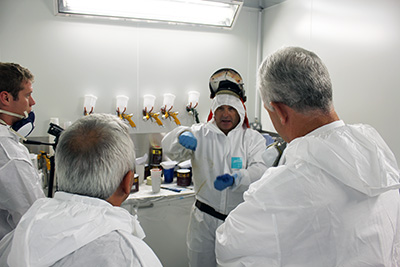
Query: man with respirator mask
[[19, 180]]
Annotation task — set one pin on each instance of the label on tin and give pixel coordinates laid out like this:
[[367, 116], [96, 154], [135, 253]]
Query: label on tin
[[183, 177], [236, 163], [156, 155]]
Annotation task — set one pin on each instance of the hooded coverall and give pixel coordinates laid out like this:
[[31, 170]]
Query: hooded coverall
[[240, 151], [333, 201], [19, 181], [74, 230]]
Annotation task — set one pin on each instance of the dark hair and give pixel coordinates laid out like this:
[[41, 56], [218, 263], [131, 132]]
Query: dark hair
[[12, 76]]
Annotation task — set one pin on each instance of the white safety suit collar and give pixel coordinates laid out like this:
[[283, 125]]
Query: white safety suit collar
[[371, 175], [228, 100], [327, 127], [55, 227], [5, 132]]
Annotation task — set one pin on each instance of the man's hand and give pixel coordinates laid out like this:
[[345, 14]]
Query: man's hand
[[223, 181], [188, 140]]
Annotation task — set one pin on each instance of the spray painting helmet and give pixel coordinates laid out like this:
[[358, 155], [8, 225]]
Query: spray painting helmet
[[227, 81]]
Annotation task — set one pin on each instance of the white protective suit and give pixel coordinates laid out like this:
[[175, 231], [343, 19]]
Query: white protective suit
[[333, 201], [73, 230], [216, 154], [19, 181]]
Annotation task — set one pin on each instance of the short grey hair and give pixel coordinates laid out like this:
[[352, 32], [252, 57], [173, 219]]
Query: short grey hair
[[93, 155], [297, 78]]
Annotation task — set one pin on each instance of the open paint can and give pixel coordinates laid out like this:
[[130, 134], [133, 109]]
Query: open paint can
[[183, 177]]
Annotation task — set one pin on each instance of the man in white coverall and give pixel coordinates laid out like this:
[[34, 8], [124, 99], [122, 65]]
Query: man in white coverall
[[19, 180], [83, 224], [334, 198], [226, 157]]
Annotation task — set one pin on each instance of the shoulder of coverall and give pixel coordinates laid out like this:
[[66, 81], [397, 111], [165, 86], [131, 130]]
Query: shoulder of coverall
[[6, 133]]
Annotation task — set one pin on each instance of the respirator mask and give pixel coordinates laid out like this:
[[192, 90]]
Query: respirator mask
[[273, 153], [24, 126]]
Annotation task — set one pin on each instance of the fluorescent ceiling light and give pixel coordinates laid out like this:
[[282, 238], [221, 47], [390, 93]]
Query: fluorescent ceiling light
[[220, 13]]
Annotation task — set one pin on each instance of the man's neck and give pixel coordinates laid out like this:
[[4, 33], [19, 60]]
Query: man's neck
[[8, 118], [304, 124], [3, 121]]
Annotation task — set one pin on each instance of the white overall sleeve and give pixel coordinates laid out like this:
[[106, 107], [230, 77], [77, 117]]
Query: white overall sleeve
[[171, 146], [255, 147]]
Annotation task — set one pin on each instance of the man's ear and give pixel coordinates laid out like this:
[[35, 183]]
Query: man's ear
[[123, 190], [127, 182], [281, 110], [5, 97]]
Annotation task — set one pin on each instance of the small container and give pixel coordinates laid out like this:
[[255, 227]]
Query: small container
[[155, 155], [122, 103], [168, 170], [168, 101], [146, 170], [135, 186], [148, 102], [140, 172], [89, 103], [187, 164], [168, 175], [155, 166], [183, 177], [155, 180], [193, 99]]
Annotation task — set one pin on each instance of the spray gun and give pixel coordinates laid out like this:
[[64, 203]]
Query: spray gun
[[148, 106], [89, 104], [122, 103], [151, 115], [193, 101], [127, 117], [193, 111], [167, 106], [169, 114]]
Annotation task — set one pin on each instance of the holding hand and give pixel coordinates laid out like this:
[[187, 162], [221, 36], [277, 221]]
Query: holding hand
[[188, 140], [223, 181]]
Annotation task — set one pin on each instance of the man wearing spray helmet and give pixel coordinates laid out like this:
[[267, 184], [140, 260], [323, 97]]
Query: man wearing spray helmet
[[226, 156], [19, 180]]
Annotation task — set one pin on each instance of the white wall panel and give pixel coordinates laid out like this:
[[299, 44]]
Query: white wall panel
[[359, 42], [71, 57]]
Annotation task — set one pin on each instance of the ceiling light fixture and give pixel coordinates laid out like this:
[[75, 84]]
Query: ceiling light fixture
[[219, 13]]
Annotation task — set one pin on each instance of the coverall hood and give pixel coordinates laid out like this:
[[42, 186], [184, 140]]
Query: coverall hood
[[332, 201], [229, 100], [371, 171], [54, 228]]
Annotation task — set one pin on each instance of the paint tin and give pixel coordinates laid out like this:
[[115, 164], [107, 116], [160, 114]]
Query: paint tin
[[135, 186], [183, 177], [146, 171], [155, 155]]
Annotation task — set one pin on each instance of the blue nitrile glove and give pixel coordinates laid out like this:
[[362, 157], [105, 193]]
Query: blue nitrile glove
[[188, 140], [223, 181]]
